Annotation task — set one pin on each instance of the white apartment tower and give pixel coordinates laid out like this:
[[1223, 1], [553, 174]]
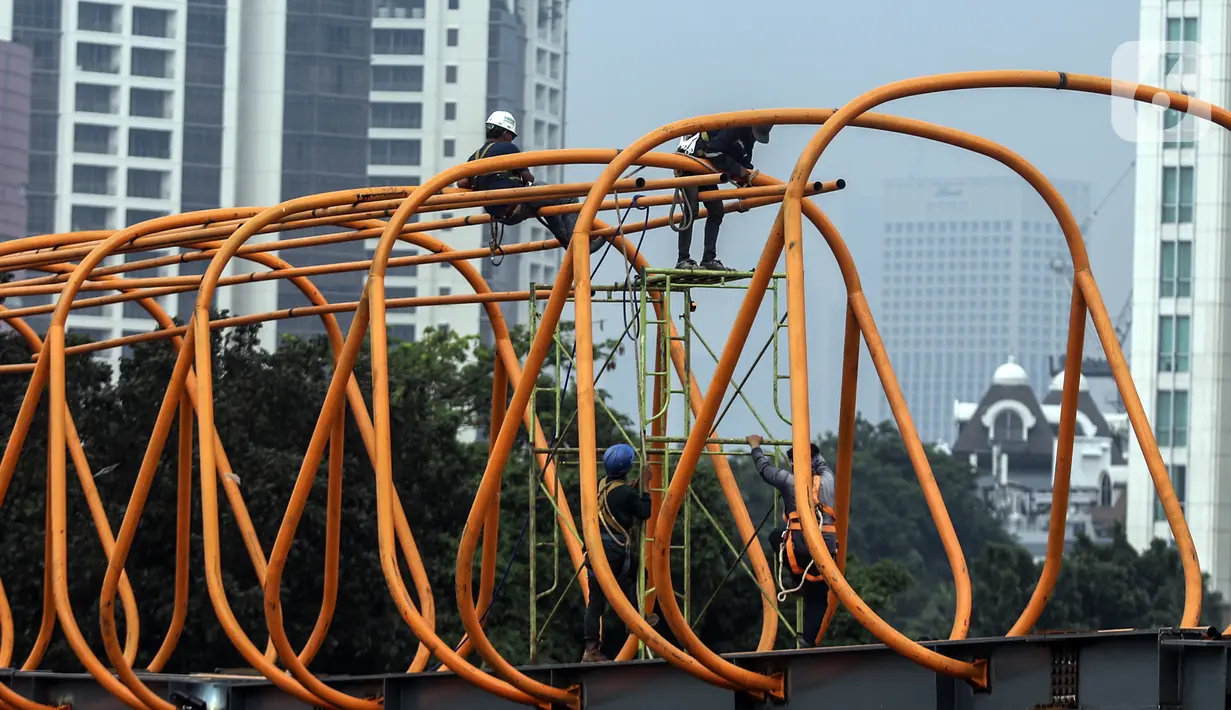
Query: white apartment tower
[[143, 108], [1181, 347]]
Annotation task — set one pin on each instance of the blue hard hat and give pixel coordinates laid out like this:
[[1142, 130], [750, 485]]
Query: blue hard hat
[[618, 460]]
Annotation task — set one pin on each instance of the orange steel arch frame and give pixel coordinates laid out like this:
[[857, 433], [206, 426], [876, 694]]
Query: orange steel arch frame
[[190, 392]]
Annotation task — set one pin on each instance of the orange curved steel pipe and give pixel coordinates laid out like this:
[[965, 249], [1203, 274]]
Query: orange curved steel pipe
[[1085, 289], [333, 519], [1081, 265]]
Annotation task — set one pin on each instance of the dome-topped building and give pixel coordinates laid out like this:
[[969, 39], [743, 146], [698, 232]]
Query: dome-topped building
[[1010, 436], [1011, 374]]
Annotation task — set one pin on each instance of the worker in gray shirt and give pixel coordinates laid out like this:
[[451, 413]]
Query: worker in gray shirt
[[789, 540]]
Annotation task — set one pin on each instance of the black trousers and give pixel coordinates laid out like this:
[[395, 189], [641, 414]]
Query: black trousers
[[815, 594], [560, 225], [713, 222], [623, 562]]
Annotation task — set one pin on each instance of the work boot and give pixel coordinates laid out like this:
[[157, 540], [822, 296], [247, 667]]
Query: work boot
[[714, 265], [592, 654], [686, 263], [597, 243]]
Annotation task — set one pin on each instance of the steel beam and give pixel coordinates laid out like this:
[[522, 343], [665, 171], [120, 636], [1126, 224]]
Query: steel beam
[[1168, 668]]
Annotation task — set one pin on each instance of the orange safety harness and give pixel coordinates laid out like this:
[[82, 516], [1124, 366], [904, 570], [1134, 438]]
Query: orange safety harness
[[793, 524]]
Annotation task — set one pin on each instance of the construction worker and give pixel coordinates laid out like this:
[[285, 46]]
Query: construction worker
[[620, 509], [729, 151], [789, 540], [501, 130]]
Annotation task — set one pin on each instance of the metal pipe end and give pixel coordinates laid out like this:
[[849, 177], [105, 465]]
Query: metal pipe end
[[723, 177], [841, 184], [818, 186], [640, 182]]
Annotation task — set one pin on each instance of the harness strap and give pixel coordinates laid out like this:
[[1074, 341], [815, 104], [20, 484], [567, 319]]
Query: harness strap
[[617, 532], [792, 524], [483, 154]]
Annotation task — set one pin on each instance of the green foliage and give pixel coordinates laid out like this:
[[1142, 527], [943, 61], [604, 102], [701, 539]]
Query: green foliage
[[266, 408]]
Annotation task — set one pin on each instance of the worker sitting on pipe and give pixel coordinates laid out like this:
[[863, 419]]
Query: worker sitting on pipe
[[789, 540], [729, 151], [501, 130], [620, 510]]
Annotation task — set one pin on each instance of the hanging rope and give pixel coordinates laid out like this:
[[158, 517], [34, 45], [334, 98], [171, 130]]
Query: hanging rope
[[495, 242], [802, 578]]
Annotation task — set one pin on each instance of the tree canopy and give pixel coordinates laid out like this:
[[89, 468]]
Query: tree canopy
[[266, 407]]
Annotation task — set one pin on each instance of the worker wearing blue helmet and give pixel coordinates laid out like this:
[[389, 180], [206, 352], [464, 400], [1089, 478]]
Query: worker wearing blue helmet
[[621, 508]]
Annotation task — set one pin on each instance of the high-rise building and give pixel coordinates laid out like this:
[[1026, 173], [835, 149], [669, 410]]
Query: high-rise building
[[1181, 349], [144, 108], [15, 70], [968, 281]]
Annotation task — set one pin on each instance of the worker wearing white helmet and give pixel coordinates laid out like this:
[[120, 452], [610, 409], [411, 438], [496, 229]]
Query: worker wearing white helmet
[[501, 131]]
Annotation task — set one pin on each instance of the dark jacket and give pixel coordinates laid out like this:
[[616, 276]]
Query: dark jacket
[[499, 180], [728, 150], [628, 506]]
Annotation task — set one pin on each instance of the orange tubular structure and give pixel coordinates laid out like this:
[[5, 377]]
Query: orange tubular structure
[[73, 266]]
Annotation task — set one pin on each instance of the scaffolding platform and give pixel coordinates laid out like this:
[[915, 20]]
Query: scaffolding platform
[[691, 277], [1164, 668]]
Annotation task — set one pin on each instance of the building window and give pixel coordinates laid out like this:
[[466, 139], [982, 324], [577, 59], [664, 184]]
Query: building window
[[1179, 481], [89, 138], [455, 4], [445, 291], [451, 74], [154, 63], [149, 184], [93, 180], [450, 147], [401, 292], [1008, 426], [397, 78], [394, 152], [450, 111], [399, 8], [1175, 270], [102, 58], [85, 217], [1178, 194], [1104, 490], [1178, 132], [96, 98], [397, 115], [97, 17], [146, 143], [1173, 343], [397, 41], [1171, 419], [404, 333], [451, 36], [149, 22], [132, 217], [149, 103], [1183, 61]]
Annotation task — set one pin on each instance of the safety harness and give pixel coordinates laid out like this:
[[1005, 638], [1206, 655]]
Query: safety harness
[[793, 524], [482, 153], [618, 533], [508, 215], [612, 528]]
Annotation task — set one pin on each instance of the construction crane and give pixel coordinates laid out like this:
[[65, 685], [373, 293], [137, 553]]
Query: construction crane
[[1095, 367]]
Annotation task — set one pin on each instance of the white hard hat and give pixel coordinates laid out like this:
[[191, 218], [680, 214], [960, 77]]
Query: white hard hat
[[503, 119]]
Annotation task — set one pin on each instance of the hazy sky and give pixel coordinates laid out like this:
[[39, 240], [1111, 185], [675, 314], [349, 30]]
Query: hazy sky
[[637, 64]]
